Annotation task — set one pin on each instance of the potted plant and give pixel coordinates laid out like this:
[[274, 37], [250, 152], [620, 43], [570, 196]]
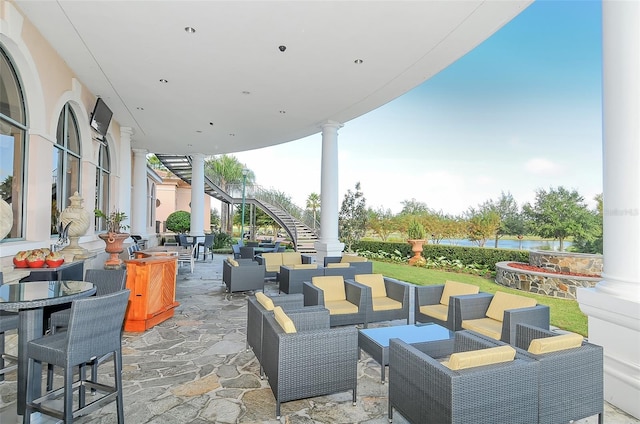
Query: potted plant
[[114, 237], [417, 237]]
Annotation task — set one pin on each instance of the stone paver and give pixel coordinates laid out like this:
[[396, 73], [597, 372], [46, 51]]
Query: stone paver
[[194, 368]]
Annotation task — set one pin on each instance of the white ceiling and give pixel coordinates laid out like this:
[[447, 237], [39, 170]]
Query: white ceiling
[[230, 88]]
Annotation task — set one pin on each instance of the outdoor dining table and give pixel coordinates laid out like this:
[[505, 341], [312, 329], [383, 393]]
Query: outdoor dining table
[[29, 300]]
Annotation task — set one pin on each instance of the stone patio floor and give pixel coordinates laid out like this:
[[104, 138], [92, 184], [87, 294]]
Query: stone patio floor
[[194, 368]]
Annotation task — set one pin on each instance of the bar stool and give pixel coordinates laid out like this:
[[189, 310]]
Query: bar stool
[[95, 330]]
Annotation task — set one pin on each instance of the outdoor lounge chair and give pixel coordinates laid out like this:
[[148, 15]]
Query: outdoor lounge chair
[[389, 298], [433, 303], [570, 374], [292, 276], [242, 275], [302, 357], [497, 315], [480, 383], [345, 300]]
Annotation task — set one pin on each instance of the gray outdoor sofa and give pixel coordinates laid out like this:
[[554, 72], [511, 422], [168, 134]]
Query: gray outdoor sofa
[[247, 275]]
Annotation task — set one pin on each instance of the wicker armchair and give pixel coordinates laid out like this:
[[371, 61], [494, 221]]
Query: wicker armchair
[[314, 361], [245, 276], [255, 318], [497, 315], [433, 303], [346, 300], [388, 299], [423, 390], [571, 380]]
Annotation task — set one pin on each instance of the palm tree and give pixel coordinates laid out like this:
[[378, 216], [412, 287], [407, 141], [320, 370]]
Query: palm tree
[[313, 203], [226, 171]]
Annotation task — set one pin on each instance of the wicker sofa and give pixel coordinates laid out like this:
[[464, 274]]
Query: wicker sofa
[[388, 299], [273, 260], [315, 360], [360, 264], [291, 277], [424, 390], [434, 304]]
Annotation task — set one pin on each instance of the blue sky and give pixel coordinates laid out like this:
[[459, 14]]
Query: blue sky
[[521, 112]]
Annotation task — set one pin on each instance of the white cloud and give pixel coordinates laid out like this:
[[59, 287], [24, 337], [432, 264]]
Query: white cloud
[[542, 166]]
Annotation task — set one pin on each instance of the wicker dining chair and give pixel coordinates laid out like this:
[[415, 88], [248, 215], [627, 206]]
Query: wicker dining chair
[[95, 330], [8, 322]]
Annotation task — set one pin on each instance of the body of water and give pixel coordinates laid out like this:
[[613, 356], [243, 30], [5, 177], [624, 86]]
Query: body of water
[[511, 244]]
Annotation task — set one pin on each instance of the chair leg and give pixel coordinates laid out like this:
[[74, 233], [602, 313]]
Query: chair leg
[[117, 369], [81, 390], [26, 419], [68, 395], [1, 357], [49, 377]]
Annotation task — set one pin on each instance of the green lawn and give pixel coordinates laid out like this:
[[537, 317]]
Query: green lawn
[[565, 314]]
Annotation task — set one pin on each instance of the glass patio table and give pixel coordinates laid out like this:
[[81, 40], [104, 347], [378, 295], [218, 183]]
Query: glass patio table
[[29, 300], [375, 341]]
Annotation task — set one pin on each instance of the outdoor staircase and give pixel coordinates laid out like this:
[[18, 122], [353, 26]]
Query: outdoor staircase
[[302, 236]]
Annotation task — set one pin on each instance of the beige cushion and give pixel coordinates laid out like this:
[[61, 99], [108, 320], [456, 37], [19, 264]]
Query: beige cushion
[[453, 288], [438, 311], [476, 358], [487, 326], [233, 262], [265, 301], [332, 286], [272, 261], [339, 307], [291, 258], [375, 281], [283, 319], [338, 265], [385, 304], [351, 258], [304, 266], [555, 343], [503, 301]]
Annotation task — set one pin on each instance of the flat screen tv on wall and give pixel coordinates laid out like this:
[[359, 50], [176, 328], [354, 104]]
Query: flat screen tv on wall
[[101, 117]]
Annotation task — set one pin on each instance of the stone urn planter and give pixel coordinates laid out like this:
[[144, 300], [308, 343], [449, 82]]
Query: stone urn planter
[[416, 248], [114, 248]]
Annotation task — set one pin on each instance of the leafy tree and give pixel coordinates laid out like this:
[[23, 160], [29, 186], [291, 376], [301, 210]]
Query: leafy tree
[[154, 162], [179, 221], [225, 171], [214, 218], [592, 243], [413, 207], [313, 204], [481, 225], [511, 222], [382, 222], [560, 213], [5, 188], [352, 219]]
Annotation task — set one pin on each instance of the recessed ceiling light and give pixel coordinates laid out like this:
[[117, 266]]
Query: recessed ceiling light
[[358, 61], [189, 30], [211, 123], [164, 81]]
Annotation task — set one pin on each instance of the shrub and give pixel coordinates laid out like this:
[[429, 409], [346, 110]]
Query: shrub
[[416, 231], [179, 222], [222, 240]]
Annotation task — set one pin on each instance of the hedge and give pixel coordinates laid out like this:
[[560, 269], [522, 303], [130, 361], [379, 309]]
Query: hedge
[[467, 255]]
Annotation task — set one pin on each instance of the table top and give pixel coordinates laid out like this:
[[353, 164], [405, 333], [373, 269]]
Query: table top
[[47, 268], [407, 333], [37, 294]]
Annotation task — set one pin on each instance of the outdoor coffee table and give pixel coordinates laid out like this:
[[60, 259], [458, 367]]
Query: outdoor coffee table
[[375, 341]]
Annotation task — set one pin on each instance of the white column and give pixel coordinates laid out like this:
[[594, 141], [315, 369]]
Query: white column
[[197, 195], [613, 306], [139, 193], [124, 167], [329, 244]]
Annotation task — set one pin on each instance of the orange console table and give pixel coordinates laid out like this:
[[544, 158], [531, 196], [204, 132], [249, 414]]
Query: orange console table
[[152, 281]]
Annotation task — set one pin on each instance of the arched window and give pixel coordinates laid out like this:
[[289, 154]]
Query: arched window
[[66, 164], [103, 174], [13, 130]]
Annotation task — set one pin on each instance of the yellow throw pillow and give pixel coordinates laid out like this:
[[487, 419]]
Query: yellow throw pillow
[[555, 343], [476, 358], [375, 281], [233, 262], [305, 266], [331, 285], [283, 319], [503, 301], [265, 301], [338, 265], [453, 288], [351, 258]]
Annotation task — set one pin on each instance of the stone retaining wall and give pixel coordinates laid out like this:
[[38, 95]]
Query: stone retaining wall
[[582, 263], [554, 285]]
